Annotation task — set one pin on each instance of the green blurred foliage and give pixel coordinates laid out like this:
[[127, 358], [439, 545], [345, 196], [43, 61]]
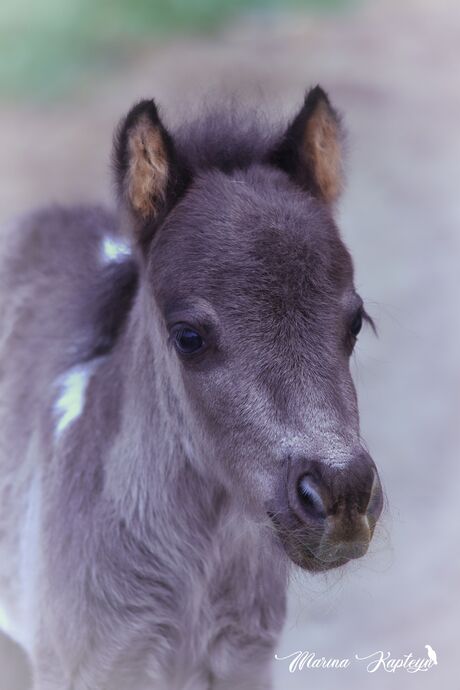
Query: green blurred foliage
[[45, 45]]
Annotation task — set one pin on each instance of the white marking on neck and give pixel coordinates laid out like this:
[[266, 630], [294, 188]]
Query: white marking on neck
[[71, 401], [114, 250]]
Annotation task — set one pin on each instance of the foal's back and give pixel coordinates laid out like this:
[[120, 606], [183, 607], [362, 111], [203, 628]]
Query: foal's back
[[66, 281], [66, 284]]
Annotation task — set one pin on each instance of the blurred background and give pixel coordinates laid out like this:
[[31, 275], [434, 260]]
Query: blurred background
[[68, 71]]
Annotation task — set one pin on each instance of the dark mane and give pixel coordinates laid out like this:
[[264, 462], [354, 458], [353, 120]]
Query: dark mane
[[225, 139], [112, 303]]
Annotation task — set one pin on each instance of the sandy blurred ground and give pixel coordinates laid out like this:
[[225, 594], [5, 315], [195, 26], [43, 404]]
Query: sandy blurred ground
[[393, 69]]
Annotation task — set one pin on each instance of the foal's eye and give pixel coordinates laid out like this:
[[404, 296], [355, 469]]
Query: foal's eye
[[187, 340], [357, 323]]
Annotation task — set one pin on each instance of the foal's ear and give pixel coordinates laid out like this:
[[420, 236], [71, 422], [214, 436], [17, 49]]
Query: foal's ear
[[311, 149], [146, 168]]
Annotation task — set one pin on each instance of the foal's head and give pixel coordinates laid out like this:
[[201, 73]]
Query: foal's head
[[253, 315]]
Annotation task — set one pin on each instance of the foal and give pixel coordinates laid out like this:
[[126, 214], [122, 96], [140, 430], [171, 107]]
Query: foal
[[178, 420]]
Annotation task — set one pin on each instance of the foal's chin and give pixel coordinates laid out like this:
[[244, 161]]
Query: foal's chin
[[301, 546], [307, 561]]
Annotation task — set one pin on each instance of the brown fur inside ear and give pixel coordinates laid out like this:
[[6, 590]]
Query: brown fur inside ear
[[322, 151], [310, 151], [148, 168]]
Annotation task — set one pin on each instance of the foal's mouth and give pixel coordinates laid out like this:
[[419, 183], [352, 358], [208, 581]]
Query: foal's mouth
[[301, 547]]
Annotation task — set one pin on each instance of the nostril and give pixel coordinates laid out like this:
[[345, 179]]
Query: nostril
[[310, 498]]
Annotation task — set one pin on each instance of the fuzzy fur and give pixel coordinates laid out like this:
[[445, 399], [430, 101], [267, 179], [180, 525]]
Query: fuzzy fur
[[147, 544]]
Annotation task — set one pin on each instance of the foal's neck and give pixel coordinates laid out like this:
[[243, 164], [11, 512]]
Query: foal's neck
[[150, 473]]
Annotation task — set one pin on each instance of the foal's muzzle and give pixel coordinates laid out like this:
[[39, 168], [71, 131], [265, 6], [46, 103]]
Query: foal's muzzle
[[331, 510]]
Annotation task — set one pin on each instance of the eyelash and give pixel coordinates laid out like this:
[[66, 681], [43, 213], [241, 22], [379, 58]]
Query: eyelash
[[357, 323]]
